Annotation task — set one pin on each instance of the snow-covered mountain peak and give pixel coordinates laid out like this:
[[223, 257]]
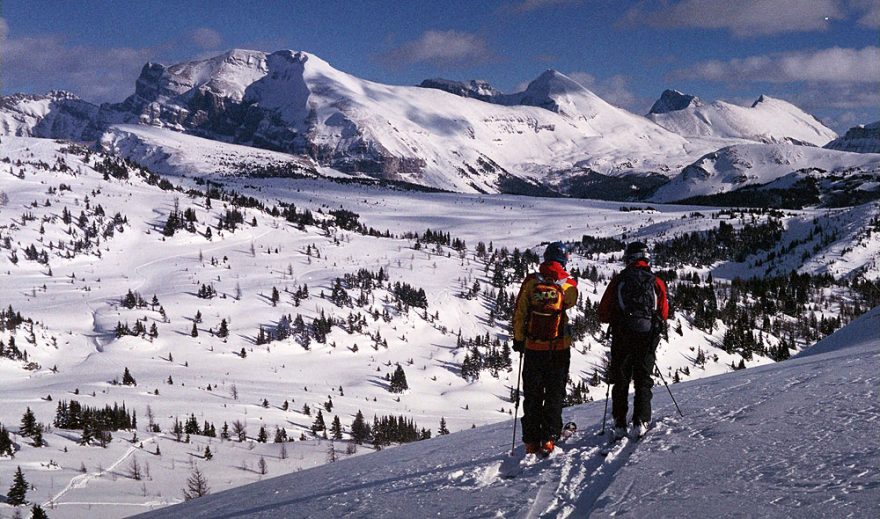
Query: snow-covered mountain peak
[[768, 119], [673, 100], [558, 93], [767, 102], [226, 75]]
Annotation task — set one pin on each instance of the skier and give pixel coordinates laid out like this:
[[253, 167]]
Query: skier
[[542, 337], [636, 306]]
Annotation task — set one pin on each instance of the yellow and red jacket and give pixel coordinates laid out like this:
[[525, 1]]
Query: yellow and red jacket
[[552, 271]]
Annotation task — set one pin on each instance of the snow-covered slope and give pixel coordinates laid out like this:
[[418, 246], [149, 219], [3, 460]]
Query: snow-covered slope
[[177, 154], [57, 115], [78, 229], [859, 139], [791, 439], [741, 165], [768, 120]]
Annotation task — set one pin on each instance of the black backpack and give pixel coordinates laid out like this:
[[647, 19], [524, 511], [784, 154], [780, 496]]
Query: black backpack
[[637, 300]]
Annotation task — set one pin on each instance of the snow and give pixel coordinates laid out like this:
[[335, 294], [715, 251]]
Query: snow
[[767, 120], [741, 165], [79, 307], [546, 137], [172, 153], [790, 439], [859, 139]]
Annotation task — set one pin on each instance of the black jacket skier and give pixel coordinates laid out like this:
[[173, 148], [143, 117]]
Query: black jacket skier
[[636, 306]]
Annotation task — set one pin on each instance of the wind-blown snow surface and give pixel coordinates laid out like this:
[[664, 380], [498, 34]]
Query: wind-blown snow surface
[[785, 440]]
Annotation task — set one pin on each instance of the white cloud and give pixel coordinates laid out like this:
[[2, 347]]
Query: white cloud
[[614, 89], [834, 65], [441, 48], [868, 12], [42, 63], [206, 39], [743, 18]]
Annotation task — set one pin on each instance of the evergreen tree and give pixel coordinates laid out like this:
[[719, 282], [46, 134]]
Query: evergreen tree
[[87, 434], [223, 332], [37, 512], [336, 428], [28, 423], [443, 430], [319, 425], [398, 381], [208, 453], [38, 435], [5, 442], [18, 490], [127, 379], [360, 431], [195, 331], [262, 436]]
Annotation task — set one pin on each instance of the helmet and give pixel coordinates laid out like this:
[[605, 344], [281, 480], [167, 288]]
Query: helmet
[[636, 251], [556, 251]]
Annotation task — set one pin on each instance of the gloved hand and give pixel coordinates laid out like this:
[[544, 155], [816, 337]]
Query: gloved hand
[[519, 346]]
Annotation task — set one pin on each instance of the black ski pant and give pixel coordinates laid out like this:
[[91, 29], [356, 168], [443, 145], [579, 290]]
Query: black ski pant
[[544, 377], [632, 360]]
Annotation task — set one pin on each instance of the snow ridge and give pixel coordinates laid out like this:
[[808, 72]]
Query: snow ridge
[[768, 120]]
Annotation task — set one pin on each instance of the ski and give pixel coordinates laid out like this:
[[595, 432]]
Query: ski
[[513, 466], [614, 446]]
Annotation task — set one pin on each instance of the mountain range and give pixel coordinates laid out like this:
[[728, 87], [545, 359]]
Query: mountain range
[[554, 138]]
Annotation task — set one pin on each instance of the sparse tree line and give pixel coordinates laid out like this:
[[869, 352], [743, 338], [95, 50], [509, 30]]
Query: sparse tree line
[[483, 353], [96, 423], [11, 321], [85, 231], [437, 238]]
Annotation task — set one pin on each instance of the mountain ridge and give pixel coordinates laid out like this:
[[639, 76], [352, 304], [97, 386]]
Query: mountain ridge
[[554, 137]]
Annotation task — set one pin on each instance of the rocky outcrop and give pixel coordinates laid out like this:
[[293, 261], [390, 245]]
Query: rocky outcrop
[[860, 139]]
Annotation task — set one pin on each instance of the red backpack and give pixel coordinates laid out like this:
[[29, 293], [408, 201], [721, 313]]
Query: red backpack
[[546, 306]]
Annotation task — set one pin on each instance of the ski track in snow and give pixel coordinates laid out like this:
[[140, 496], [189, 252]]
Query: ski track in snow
[[81, 481]]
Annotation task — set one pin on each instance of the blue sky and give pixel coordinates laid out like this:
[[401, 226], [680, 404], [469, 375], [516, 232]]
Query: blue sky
[[823, 55]]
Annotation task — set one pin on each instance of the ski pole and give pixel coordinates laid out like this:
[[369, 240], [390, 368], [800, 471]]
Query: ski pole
[[667, 388], [607, 387], [605, 414], [516, 407]]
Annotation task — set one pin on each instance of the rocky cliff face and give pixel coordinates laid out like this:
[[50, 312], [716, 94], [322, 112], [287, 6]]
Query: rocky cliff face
[[673, 100], [262, 100], [859, 139], [57, 115]]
